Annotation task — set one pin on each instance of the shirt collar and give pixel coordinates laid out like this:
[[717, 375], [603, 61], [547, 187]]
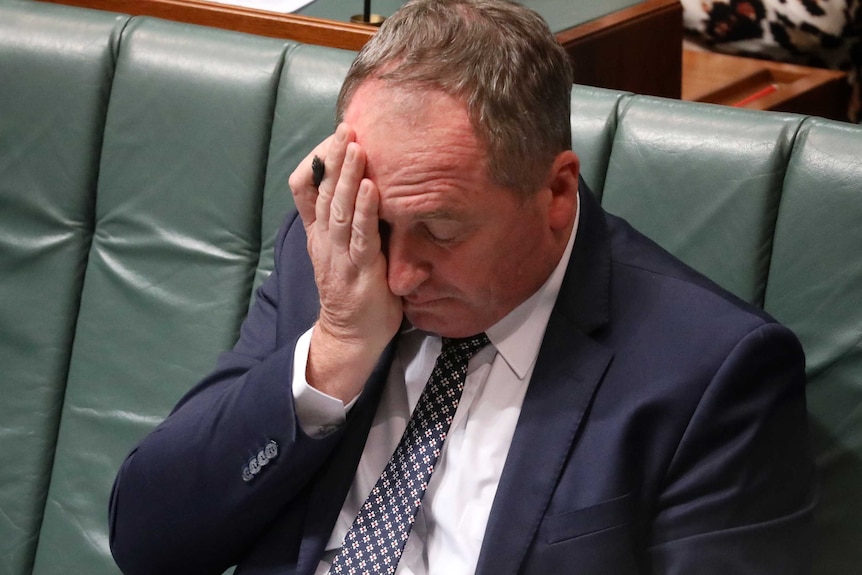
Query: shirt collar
[[518, 336]]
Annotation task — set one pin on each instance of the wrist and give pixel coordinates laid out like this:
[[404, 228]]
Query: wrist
[[338, 364]]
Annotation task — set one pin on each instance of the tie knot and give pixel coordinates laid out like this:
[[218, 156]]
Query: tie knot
[[464, 347]]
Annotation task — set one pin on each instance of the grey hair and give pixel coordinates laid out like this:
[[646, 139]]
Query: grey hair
[[500, 58]]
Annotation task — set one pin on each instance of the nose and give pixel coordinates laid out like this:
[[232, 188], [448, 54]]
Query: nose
[[407, 269]]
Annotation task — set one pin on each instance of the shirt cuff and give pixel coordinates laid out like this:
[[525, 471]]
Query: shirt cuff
[[318, 414]]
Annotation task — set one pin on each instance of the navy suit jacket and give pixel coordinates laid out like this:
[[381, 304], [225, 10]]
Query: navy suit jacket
[[663, 431]]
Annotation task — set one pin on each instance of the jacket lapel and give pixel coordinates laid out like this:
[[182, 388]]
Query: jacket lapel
[[568, 371]]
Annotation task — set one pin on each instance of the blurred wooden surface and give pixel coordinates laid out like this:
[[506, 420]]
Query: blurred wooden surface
[[637, 49], [764, 85], [264, 23]]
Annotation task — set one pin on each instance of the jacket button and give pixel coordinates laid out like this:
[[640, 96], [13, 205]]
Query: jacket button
[[271, 450], [247, 475]]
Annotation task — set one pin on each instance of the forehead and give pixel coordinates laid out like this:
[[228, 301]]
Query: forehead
[[417, 142]]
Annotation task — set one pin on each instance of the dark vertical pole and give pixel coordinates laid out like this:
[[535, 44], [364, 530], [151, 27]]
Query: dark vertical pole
[[366, 14]]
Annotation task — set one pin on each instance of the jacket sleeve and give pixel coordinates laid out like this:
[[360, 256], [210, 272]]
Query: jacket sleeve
[[205, 484], [740, 489]]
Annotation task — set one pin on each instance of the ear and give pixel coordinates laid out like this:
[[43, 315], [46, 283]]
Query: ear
[[563, 185]]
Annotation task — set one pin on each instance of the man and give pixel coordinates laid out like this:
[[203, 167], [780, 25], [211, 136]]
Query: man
[[621, 414]]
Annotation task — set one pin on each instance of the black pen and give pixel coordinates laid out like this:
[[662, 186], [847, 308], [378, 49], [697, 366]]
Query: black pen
[[317, 169]]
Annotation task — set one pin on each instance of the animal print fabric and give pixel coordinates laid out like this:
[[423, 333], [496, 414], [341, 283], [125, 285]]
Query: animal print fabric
[[820, 33]]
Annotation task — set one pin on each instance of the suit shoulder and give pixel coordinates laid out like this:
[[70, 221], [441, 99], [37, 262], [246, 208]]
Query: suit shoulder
[[644, 265]]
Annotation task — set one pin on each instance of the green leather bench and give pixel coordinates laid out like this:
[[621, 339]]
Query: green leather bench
[[143, 175]]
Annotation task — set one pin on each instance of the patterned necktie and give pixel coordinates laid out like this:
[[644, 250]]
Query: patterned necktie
[[376, 539]]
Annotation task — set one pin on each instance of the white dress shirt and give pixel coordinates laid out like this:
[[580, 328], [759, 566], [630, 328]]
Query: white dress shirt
[[447, 535]]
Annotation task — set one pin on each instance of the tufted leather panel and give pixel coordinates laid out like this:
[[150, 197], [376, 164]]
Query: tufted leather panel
[[310, 81], [815, 287], [594, 123], [175, 247], [706, 190], [55, 77]]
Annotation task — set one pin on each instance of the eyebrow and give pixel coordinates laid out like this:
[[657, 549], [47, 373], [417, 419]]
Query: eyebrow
[[437, 214]]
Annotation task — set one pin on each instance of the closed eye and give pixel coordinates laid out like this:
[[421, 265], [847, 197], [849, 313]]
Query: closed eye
[[442, 231]]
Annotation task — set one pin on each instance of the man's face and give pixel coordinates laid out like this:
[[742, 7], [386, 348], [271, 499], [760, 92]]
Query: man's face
[[462, 252]]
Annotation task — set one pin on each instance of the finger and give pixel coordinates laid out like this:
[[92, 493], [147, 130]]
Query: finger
[[343, 202], [333, 161], [365, 242], [302, 186]]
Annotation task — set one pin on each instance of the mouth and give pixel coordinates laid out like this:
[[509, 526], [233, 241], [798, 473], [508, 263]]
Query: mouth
[[414, 301]]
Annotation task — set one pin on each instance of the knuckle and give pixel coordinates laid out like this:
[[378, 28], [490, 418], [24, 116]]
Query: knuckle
[[293, 182], [358, 239], [338, 215], [362, 242]]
